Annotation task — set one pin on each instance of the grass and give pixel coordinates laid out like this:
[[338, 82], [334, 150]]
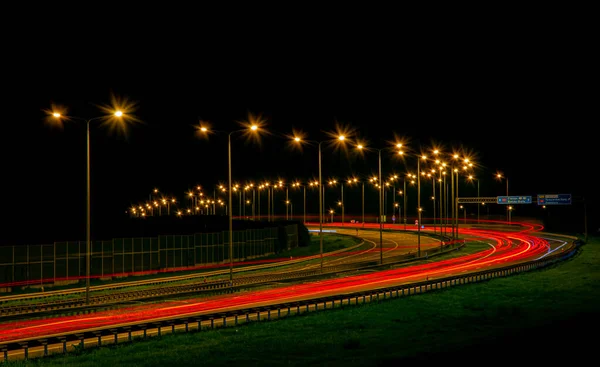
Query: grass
[[544, 316]]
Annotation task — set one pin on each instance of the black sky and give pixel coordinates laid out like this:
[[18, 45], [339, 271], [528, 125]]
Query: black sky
[[521, 105]]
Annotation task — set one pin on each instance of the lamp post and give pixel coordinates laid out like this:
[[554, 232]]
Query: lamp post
[[287, 201], [500, 177], [381, 186], [354, 180], [341, 139], [471, 178], [433, 198], [314, 184], [252, 126], [117, 116], [268, 202], [332, 183], [298, 184], [441, 201], [260, 187], [342, 185], [419, 208], [404, 199]]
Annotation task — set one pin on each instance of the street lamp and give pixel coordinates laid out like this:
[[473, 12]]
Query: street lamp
[[340, 140], [342, 202], [381, 185], [471, 178], [331, 183], [298, 184], [115, 120], [432, 175], [500, 177], [354, 180], [314, 184], [252, 126]]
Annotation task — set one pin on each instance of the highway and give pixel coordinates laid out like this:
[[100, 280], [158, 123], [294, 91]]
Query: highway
[[502, 248]]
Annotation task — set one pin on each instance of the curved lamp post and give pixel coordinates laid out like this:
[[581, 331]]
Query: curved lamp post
[[298, 184], [252, 128], [298, 139], [499, 176], [381, 186], [119, 117]]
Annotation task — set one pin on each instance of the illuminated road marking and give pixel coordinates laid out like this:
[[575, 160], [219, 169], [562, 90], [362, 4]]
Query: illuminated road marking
[[524, 247], [564, 243]]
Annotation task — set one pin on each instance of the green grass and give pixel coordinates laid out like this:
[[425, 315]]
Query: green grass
[[544, 316]]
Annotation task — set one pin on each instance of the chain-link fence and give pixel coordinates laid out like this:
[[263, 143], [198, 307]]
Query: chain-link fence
[[65, 262]]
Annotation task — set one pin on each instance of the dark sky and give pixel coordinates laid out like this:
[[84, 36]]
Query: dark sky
[[521, 108]]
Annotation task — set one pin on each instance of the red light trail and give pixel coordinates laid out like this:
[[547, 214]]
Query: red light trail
[[505, 248]]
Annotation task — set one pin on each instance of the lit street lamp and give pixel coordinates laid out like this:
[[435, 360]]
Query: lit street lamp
[[251, 126], [340, 138], [116, 119], [297, 184], [381, 186], [471, 178], [500, 177], [354, 180]]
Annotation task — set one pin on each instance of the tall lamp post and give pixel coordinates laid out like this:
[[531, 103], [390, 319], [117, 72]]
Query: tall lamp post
[[354, 180], [341, 139], [432, 175], [298, 184], [117, 117], [471, 178], [342, 202], [500, 177], [251, 127], [332, 183], [404, 201], [381, 188], [314, 184]]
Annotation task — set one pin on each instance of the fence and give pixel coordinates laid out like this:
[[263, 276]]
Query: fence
[[65, 262]]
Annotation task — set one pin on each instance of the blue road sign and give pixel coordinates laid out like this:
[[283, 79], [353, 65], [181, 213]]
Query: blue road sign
[[554, 199], [514, 199]]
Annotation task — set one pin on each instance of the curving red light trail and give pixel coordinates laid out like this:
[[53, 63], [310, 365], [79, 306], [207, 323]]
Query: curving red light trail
[[505, 248]]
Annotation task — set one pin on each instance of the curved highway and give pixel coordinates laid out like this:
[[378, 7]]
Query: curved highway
[[502, 248]]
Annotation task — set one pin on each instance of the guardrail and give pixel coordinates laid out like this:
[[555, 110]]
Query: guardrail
[[212, 320], [79, 305]]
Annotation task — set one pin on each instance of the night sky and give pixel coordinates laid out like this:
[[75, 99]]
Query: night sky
[[517, 110]]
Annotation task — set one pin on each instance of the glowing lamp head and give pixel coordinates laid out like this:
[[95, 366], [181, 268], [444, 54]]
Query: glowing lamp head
[[254, 127], [119, 113], [56, 115]]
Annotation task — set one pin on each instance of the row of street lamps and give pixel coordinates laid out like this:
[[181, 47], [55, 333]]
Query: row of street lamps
[[119, 116]]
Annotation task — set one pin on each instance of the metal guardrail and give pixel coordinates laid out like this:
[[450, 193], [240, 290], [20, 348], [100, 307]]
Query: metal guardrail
[[127, 330], [79, 305], [212, 320]]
